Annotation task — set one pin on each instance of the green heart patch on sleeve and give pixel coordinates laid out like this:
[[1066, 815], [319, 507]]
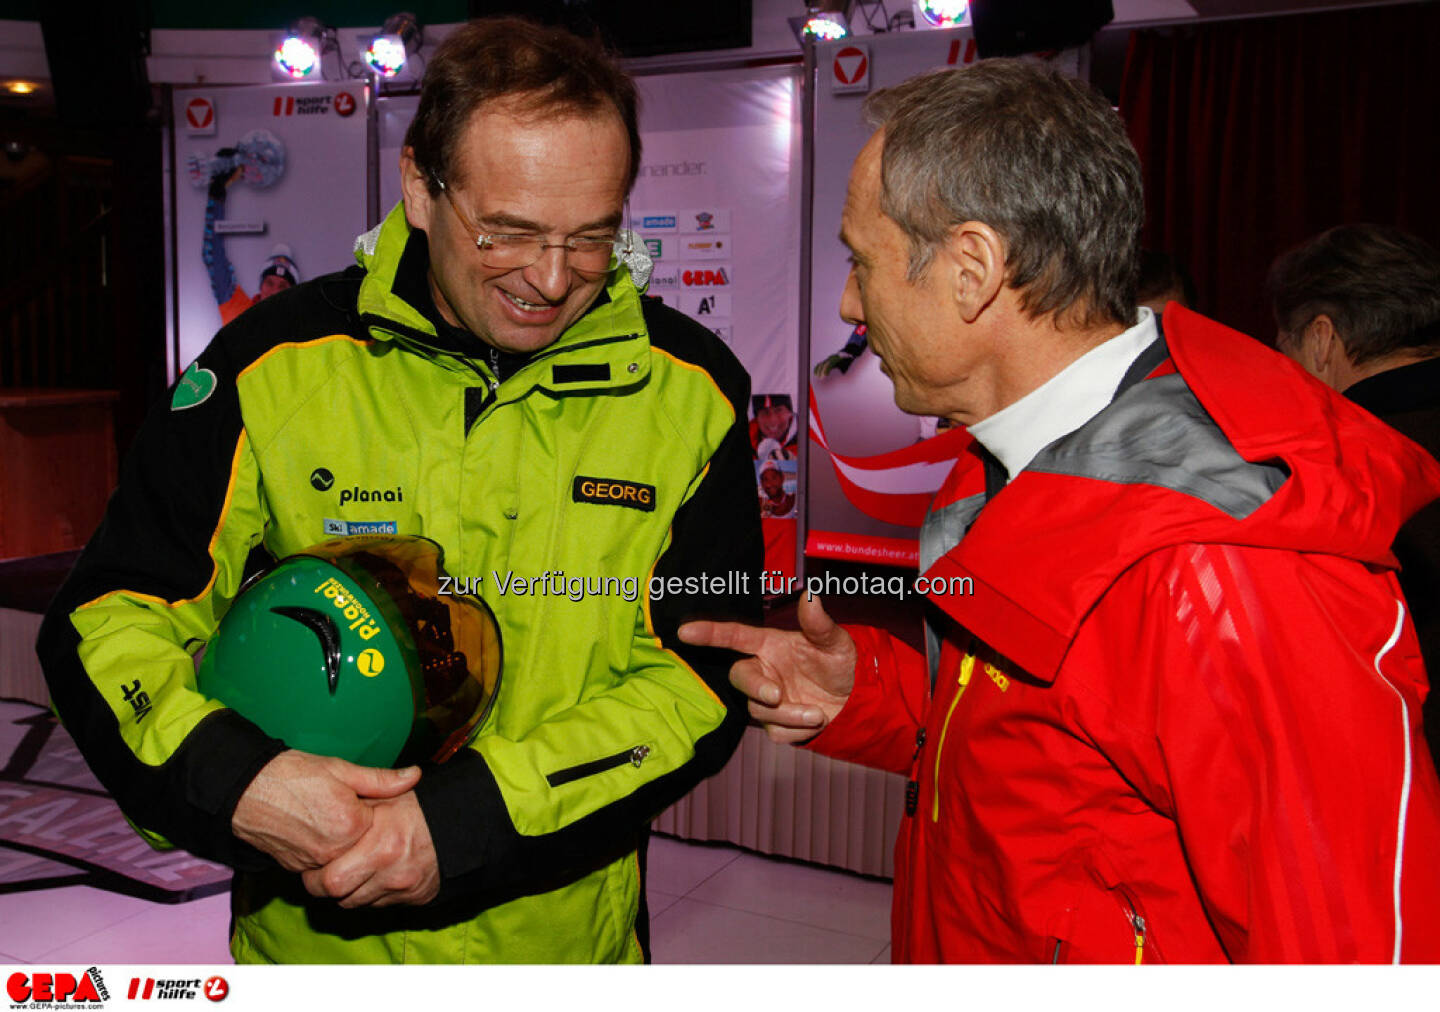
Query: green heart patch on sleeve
[[195, 386]]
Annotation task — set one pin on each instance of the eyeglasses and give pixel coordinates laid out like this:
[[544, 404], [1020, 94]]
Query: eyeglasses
[[506, 251]]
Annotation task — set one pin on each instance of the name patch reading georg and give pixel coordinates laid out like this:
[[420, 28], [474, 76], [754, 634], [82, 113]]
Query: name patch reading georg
[[614, 492]]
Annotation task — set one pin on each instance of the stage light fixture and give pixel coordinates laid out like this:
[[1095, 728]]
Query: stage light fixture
[[19, 87], [298, 55], [826, 27], [399, 36], [944, 13], [824, 21]]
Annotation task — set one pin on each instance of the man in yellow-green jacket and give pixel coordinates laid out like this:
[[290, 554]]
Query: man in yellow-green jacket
[[488, 377]]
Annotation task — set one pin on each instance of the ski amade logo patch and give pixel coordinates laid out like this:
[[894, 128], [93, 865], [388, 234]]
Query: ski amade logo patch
[[195, 387]]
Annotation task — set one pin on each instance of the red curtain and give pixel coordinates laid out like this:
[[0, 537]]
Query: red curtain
[[1255, 135]]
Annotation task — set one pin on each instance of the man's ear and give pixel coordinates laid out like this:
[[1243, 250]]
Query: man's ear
[[1323, 351], [974, 254], [415, 187]]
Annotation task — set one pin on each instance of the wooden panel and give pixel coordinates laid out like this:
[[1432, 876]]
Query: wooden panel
[[20, 676], [57, 468]]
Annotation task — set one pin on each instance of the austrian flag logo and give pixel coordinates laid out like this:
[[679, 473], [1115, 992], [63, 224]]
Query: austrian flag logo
[[199, 113]]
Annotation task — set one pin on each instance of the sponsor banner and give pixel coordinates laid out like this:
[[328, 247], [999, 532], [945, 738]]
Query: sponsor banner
[[705, 306], [853, 487], [340, 103], [289, 164], [658, 221], [895, 487], [717, 276], [655, 247], [725, 332], [862, 548], [665, 278], [705, 219], [704, 247]]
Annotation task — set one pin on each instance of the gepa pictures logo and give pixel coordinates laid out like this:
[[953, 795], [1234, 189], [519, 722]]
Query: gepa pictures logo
[[705, 277], [40, 990]]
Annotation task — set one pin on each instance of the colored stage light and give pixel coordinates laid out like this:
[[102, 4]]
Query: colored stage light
[[399, 36], [298, 55], [944, 13], [826, 27]]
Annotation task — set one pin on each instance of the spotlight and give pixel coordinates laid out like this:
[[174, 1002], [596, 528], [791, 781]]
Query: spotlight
[[824, 21], [943, 13], [298, 55], [826, 27], [18, 87], [387, 51]]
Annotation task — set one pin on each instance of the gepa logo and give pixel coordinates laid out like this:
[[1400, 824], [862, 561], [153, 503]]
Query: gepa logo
[[46, 988], [705, 277]]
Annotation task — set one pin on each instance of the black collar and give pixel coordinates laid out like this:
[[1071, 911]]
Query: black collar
[[1410, 387]]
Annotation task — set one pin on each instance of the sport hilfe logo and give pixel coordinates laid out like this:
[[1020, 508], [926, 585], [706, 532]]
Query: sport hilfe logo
[[44, 988], [151, 989]]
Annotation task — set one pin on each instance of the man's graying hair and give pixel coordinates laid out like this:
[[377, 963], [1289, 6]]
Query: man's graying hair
[[1036, 155], [1379, 285]]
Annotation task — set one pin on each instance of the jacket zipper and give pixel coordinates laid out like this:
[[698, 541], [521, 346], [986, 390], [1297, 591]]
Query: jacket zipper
[[912, 786], [967, 667], [634, 756], [1137, 924]]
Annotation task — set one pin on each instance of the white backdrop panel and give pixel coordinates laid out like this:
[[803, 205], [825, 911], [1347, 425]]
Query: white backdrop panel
[[726, 144], [316, 207]]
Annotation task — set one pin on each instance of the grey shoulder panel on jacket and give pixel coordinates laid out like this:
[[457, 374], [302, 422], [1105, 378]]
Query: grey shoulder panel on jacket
[[1157, 433]]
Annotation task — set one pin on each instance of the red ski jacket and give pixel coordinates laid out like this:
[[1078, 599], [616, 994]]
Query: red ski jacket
[[1174, 713]]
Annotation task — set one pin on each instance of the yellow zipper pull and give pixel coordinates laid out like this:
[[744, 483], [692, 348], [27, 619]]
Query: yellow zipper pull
[[967, 667], [1139, 924]]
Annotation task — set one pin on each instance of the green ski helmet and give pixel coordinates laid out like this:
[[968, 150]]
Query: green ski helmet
[[349, 649]]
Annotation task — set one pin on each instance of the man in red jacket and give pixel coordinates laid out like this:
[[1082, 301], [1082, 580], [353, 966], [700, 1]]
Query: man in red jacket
[[1170, 708]]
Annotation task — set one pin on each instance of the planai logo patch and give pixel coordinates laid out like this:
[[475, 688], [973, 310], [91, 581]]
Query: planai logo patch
[[614, 492]]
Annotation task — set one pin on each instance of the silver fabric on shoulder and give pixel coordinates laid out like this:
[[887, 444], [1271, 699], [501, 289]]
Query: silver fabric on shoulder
[[939, 534], [1157, 433], [630, 251], [367, 241]]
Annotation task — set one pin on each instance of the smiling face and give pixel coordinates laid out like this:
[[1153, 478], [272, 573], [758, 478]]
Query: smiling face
[[774, 420], [519, 172], [773, 482]]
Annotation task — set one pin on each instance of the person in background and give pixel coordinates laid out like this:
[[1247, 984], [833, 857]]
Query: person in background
[[1170, 709], [1163, 280], [1359, 307], [774, 500], [774, 431], [277, 274]]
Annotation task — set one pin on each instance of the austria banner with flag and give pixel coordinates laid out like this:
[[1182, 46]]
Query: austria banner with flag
[[895, 487]]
